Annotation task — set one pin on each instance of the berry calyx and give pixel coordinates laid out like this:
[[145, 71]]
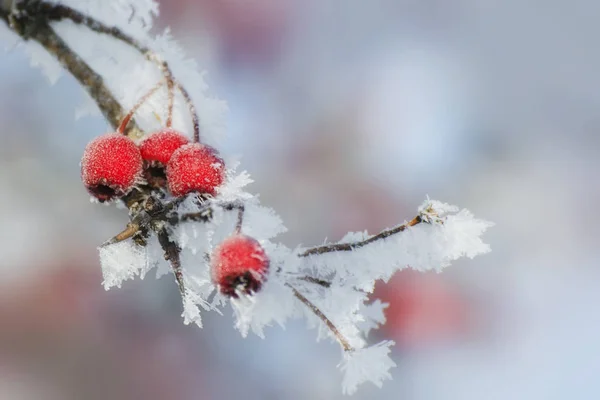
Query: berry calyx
[[156, 151], [195, 167], [110, 166], [239, 264]]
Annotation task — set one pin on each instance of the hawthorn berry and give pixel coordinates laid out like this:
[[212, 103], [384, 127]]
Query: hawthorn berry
[[239, 264], [157, 150], [195, 167], [110, 166]]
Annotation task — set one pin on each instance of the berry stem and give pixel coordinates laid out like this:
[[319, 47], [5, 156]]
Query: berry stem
[[338, 335], [330, 248], [240, 219], [193, 112], [171, 94], [142, 100]]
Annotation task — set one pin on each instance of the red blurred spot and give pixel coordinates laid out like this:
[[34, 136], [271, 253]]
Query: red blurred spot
[[424, 309]]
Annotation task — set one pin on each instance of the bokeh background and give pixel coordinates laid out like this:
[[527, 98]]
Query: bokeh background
[[347, 113]]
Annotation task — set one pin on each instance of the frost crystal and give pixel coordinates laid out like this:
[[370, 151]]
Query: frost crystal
[[371, 364], [329, 285], [120, 262]]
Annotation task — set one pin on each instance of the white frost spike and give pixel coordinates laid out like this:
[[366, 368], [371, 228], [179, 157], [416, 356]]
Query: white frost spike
[[243, 308], [463, 233], [371, 364], [273, 304], [191, 312], [373, 316], [120, 262]]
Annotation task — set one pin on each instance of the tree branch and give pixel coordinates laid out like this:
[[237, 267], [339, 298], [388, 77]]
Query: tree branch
[[29, 24], [330, 248], [338, 335], [59, 12]]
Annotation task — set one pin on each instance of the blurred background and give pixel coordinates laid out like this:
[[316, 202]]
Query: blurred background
[[347, 113]]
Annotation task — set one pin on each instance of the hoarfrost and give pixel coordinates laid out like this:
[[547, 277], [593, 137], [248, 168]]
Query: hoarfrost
[[371, 364], [341, 281]]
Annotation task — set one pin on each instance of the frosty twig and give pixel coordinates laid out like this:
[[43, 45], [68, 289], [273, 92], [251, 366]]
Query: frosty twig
[[316, 281], [172, 252], [142, 100], [338, 335], [33, 24], [34, 17], [193, 113], [330, 248], [58, 12]]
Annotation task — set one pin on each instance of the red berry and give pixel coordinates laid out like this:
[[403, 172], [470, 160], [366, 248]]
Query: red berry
[[239, 264], [110, 166], [157, 150], [195, 167], [161, 145]]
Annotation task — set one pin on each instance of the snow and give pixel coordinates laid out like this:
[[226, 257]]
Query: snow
[[445, 234]]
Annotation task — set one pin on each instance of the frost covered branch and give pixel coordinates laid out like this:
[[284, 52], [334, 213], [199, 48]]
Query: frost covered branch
[[29, 20], [340, 338], [351, 246], [188, 211]]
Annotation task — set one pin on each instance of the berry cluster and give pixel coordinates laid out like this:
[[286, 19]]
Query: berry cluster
[[112, 165], [167, 167]]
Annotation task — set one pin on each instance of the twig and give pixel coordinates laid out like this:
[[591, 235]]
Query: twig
[[142, 100], [330, 248], [200, 216], [127, 233], [340, 338], [172, 252], [316, 281], [170, 101], [58, 12], [34, 26], [193, 113], [236, 205]]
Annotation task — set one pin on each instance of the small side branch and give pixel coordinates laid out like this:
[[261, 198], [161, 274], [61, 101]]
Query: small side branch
[[316, 281], [338, 335], [171, 99], [58, 12], [34, 26], [172, 254], [123, 126], [193, 112], [239, 206], [330, 248], [33, 21]]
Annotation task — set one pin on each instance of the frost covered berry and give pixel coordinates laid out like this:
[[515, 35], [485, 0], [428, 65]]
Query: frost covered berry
[[239, 264], [110, 166], [195, 167], [157, 150]]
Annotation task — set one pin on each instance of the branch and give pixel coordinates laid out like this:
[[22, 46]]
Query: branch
[[29, 24], [330, 248], [340, 338], [172, 252], [58, 12]]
